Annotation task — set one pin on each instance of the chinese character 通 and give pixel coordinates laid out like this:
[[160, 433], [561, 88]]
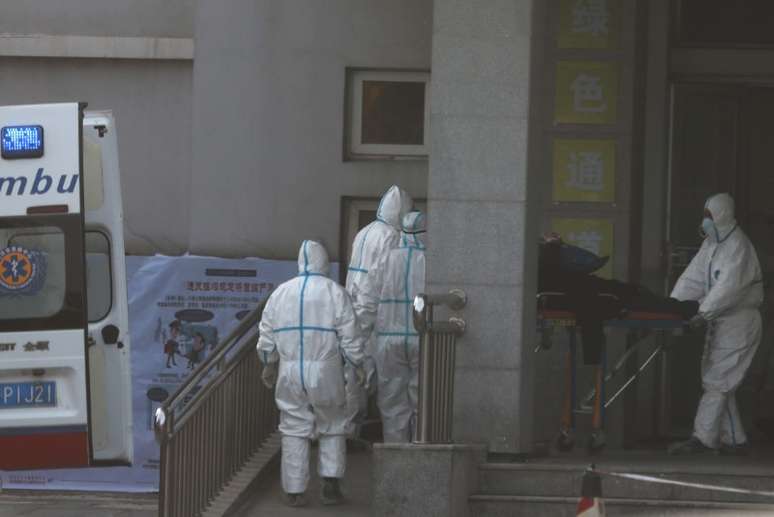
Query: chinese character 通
[[588, 96], [586, 171], [590, 17]]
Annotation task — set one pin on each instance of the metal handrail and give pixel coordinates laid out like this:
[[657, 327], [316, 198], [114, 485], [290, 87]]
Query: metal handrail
[[214, 423], [436, 365]]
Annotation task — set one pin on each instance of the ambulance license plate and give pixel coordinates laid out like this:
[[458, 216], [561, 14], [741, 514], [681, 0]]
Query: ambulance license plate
[[27, 394]]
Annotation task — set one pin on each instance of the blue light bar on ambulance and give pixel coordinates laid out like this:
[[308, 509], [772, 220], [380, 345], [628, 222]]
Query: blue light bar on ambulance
[[21, 142]]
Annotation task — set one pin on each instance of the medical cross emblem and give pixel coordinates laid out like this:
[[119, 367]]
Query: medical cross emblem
[[16, 268]]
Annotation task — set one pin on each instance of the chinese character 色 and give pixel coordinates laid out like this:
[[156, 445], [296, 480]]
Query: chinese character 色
[[588, 95]]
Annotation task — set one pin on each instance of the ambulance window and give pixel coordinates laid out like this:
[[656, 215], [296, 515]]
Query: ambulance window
[[99, 282], [32, 272]]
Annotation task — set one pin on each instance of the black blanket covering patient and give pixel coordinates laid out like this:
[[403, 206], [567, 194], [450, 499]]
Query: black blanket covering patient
[[567, 269]]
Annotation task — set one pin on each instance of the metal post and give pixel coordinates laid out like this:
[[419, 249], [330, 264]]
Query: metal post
[[436, 365]]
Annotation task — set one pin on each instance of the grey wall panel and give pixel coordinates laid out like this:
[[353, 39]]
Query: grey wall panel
[[151, 101], [170, 18], [269, 83]]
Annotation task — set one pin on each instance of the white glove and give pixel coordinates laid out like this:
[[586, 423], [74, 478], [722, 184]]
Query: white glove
[[269, 374], [361, 377]]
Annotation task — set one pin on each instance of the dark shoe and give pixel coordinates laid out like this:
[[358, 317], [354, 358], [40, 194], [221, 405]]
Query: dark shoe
[[742, 449], [331, 492], [692, 446], [295, 500]]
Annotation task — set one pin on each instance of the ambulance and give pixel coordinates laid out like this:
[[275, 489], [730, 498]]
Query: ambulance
[[65, 384]]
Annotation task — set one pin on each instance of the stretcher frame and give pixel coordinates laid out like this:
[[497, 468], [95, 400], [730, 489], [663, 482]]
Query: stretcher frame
[[638, 325]]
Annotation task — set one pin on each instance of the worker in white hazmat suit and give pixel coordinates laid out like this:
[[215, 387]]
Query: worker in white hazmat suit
[[725, 278], [307, 330], [369, 248], [389, 292]]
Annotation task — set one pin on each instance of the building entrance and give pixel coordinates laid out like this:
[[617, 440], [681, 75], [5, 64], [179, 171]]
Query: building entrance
[[722, 140]]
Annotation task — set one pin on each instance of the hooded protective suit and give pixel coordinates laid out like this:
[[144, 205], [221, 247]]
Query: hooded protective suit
[[369, 248], [725, 277], [309, 326], [388, 296]]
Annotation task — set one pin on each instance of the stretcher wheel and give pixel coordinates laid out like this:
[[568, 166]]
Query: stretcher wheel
[[596, 442], [565, 442]]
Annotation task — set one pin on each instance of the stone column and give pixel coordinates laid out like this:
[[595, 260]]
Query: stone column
[[483, 210]]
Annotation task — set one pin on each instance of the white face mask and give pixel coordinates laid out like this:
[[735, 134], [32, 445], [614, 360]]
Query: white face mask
[[708, 227]]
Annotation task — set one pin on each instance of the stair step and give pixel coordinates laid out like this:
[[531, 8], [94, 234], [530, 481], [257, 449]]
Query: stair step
[[548, 480], [483, 505], [238, 484]]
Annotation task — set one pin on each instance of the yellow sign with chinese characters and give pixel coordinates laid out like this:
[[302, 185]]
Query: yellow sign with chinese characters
[[589, 24], [586, 92], [584, 171], [594, 235]]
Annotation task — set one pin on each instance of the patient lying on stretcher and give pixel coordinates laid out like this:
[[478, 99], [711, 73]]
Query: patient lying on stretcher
[[567, 269]]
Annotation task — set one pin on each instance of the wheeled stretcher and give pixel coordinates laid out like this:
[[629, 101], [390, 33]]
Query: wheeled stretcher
[[638, 326]]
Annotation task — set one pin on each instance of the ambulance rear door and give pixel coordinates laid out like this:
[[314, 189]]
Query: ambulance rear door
[[44, 406]]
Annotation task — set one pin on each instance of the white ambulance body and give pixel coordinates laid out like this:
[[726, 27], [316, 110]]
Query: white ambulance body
[[65, 380]]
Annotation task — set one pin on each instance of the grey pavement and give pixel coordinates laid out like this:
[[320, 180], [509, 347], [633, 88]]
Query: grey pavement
[[266, 501], [70, 504], [356, 487]]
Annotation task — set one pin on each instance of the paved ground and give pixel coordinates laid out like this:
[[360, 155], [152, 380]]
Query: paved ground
[[267, 500], [59, 504], [356, 487]]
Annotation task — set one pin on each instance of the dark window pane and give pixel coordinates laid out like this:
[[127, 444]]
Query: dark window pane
[[99, 283], [725, 22], [364, 217], [393, 113]]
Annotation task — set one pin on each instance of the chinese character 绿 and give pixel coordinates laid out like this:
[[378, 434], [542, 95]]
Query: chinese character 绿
[[590, 17]]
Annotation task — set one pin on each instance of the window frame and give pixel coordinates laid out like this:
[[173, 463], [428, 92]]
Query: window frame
[[682, 41], [354, 115], [350, 209]]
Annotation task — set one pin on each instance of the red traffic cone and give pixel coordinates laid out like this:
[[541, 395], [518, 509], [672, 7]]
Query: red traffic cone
[[591, 503]]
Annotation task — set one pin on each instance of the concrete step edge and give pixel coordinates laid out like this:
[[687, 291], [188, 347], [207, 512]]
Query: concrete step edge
[[483, 498], [523, 468], [243, 478]]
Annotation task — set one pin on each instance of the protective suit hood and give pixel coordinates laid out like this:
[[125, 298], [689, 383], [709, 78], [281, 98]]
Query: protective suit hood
[[390, 207], [413, 229], [721, 206], [312, 258]]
